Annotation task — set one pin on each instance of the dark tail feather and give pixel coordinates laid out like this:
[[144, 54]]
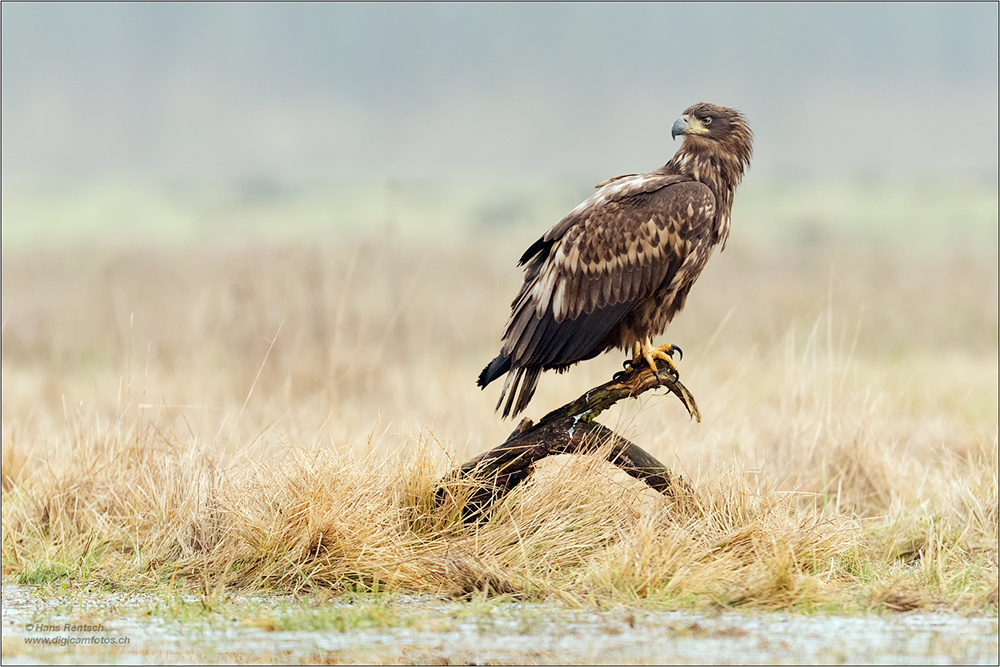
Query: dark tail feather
[[520, 384], [494, 369], [528, 383], [518, 389]]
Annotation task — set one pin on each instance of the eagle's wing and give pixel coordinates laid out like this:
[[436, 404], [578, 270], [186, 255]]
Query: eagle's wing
[[587, 272]]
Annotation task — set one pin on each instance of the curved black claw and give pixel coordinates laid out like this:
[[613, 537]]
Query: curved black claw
[[678, 350], [669, 373]]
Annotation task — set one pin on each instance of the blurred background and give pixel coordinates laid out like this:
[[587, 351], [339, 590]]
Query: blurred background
[[161, 122]]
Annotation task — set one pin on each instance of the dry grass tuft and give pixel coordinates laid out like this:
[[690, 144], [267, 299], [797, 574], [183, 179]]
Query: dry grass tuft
[[279, 419], [15, 459]]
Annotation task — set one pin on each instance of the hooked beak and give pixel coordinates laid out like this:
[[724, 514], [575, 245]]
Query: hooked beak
[[687, 124]]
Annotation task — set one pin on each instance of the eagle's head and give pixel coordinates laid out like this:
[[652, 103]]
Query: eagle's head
[[709, 127]]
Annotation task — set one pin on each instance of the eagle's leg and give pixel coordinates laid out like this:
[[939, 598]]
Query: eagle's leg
[[645, 351]]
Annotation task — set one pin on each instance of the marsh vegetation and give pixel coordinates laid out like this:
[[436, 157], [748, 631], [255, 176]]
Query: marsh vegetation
[[243, 416]]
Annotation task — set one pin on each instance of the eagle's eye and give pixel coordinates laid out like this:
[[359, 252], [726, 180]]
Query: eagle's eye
[[707, 120]]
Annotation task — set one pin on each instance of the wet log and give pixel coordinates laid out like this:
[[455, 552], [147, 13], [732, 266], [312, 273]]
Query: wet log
[[571, 429]]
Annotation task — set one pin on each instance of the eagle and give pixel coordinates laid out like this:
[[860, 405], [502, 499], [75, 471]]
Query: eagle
[[616, 270]]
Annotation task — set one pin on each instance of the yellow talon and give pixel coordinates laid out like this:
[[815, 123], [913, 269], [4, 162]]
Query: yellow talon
[[645, 351]]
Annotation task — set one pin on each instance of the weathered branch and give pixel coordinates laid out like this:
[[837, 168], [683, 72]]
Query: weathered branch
[[570, 429]]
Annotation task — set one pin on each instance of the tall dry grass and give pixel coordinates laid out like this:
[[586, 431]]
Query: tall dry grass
[[277, 417]]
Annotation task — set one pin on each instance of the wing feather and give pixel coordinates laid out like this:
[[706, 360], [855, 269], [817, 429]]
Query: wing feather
[[617, 296], [523, 344], [635, 281], [559, 304], [606, 283]]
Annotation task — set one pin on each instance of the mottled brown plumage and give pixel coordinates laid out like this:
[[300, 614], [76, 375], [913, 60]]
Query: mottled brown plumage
[[617, 269]]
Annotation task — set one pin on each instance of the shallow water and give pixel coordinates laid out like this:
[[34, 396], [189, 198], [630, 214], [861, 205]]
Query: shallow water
[[148, 628]]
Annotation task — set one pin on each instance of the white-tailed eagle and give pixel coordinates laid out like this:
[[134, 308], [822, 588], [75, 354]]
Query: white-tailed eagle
[[616, 270]]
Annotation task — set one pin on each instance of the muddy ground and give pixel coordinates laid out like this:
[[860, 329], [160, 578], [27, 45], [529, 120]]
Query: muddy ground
[[154, 628]]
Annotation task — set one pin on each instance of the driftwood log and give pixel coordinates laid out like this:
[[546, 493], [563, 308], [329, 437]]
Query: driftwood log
[[571, 429]]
